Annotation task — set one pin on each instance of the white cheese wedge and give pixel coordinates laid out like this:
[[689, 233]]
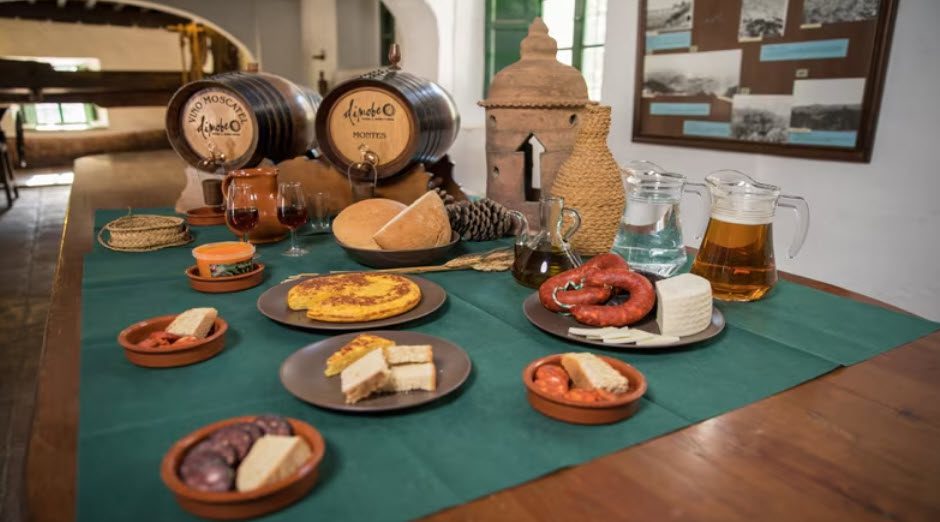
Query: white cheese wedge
[[628, 337], [658, 340], [271, 458], [408, 377], [684, 305], [594, 332]]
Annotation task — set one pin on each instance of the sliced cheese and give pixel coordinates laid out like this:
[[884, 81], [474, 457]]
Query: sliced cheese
[[684, 305], [271, 458], [408, 354], [364, 377], [408, 377]]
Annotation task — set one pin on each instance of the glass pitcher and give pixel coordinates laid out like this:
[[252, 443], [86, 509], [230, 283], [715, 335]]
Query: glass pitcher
[[547, 252], [650, 233], [737, 253]]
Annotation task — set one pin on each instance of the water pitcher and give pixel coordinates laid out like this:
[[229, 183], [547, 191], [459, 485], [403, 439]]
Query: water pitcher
[[737, 253], [542, 254], [650, 234]]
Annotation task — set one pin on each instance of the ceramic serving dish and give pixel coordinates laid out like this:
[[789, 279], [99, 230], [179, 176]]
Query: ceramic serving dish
[[586, 413], [235, 505], [173, 355], [205, 216], [218, 285], [400, 258]]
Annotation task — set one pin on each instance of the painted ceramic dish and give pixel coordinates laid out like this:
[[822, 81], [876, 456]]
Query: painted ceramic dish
[[218, 285]]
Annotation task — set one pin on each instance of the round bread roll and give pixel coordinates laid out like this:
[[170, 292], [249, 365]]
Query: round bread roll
[[357, 223], [424, 224]]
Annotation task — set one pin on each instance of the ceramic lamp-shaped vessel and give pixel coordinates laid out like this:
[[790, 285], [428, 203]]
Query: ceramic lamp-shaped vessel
[[589, 180]]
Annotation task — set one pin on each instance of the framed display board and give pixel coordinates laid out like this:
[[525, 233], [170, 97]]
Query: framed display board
[[788, 77]]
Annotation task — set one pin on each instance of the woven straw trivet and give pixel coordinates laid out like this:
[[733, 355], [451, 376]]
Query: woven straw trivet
[[144, 233]]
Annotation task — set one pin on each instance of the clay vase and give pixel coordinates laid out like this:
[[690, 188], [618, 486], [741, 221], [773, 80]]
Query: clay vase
[[589, 180], [263, 181]]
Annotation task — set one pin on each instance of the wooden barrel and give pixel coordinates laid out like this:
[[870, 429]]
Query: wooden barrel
[[401, 118], [245, 116]]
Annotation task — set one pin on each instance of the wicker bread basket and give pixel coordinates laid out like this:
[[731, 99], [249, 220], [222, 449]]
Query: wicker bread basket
[[144, 233]]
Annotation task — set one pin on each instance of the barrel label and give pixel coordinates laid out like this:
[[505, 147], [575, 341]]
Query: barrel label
[[215, 119], [369, 118]]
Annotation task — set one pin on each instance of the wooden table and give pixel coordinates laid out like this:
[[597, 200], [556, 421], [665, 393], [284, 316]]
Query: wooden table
[[860, 443]]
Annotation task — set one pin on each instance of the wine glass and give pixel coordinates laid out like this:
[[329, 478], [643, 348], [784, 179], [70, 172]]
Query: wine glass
[[292, 212], [241, 211]]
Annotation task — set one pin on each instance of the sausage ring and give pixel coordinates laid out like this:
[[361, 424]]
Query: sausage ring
[[585, 295], [642, 298]]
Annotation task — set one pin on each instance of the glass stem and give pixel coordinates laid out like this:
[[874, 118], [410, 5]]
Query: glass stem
[[293, 240]]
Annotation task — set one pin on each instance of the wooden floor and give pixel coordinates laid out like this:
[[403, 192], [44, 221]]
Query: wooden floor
[[29, 246]]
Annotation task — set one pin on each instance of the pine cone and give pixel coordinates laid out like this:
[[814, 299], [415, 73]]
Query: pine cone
[[445, 197], [481, 220]]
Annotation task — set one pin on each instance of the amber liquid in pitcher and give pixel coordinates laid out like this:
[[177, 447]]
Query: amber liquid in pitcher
[[738, 259], [533, 266]]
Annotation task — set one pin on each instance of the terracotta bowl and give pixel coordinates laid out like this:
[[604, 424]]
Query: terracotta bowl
[[205, 216], [181, 355], [586, 413], [400, 258], [233, 505], [218, 285]]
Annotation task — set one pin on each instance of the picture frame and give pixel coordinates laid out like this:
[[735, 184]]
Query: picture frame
[[798, 78]]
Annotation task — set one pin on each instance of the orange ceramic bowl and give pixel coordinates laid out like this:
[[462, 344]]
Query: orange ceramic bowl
[[212, 255], [219, 285], [233, 505], [586, 413], [177, 354]]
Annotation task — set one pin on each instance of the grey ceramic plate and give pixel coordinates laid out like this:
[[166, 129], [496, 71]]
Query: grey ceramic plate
[[273, 304], [302, 374], [400, 258], [558, 324]]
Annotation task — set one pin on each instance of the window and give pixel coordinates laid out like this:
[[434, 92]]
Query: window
[[579, 27], [64, 116]]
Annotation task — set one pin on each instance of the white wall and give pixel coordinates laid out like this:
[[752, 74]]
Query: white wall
[[318, 32], [874, 227]]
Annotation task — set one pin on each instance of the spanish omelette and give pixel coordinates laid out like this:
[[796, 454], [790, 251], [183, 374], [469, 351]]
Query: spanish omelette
[[353, 298]]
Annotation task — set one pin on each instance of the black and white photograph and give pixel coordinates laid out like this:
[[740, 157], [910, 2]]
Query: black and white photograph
[[827, 105], [835, 11], [761, 117], [715, 73], [762, 19], [668, 15]]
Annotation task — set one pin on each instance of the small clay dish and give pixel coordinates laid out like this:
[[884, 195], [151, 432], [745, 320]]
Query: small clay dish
[[235, 505], [221, 285], [177, 354], [586, 413], [205, 216], [400, 258]]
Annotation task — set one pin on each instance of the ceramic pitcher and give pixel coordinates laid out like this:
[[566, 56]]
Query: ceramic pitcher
[[263, 181]]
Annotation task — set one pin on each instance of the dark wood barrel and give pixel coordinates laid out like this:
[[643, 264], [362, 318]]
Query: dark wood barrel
[[399, 117], [245, 116]]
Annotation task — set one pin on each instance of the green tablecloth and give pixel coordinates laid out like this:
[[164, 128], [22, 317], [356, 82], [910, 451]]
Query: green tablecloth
[[399, 466]]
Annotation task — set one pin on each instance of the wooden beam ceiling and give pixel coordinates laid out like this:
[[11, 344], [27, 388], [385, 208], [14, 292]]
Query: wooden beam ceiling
[[88, 12]]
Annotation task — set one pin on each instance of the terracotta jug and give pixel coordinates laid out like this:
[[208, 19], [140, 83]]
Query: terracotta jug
[[263, 181]]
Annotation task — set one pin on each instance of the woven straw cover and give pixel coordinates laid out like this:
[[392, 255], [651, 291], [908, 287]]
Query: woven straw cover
[[144, 233], [589, 180]]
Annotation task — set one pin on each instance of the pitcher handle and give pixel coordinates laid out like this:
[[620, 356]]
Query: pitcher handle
[[801, 208], [575, 223], [523, 234], [226, 181], [701, 190]]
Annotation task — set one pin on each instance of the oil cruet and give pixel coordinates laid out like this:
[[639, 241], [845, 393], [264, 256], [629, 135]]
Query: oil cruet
[[547, 252], [650, 233], [737, 253]]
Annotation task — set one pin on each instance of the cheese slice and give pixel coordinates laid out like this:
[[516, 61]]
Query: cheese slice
[[364, 377], [271, 459], [684, 305], [408, 377], [408, 354]]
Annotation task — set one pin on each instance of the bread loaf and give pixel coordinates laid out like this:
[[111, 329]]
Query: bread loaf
[[424, 224], [357, 223]]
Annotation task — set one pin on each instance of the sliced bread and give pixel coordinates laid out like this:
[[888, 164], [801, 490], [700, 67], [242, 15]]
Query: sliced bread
[[590, 372], [195, 322], [357, 223], [408, 354], [424, 224], [364, 377], [408, 377]]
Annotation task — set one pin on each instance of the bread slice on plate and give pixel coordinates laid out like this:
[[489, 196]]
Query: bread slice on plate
[[195, 322], [409, 377], [424, 224], [364, 377], [590, 372], [352, 351], [408, 354]]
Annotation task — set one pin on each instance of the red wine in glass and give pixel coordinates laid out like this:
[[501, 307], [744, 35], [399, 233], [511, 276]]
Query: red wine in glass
[[243, 219], [292, 217], [242, 208]]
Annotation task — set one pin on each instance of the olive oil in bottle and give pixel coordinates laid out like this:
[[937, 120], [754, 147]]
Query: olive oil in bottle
[[534, 265]]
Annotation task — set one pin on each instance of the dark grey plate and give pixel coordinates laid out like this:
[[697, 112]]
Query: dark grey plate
[[400, 258], [558, 324], [302, 373], [273, 304]]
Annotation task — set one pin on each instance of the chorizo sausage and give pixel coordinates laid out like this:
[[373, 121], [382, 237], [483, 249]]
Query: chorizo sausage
[[642, 298], [583, 296]]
